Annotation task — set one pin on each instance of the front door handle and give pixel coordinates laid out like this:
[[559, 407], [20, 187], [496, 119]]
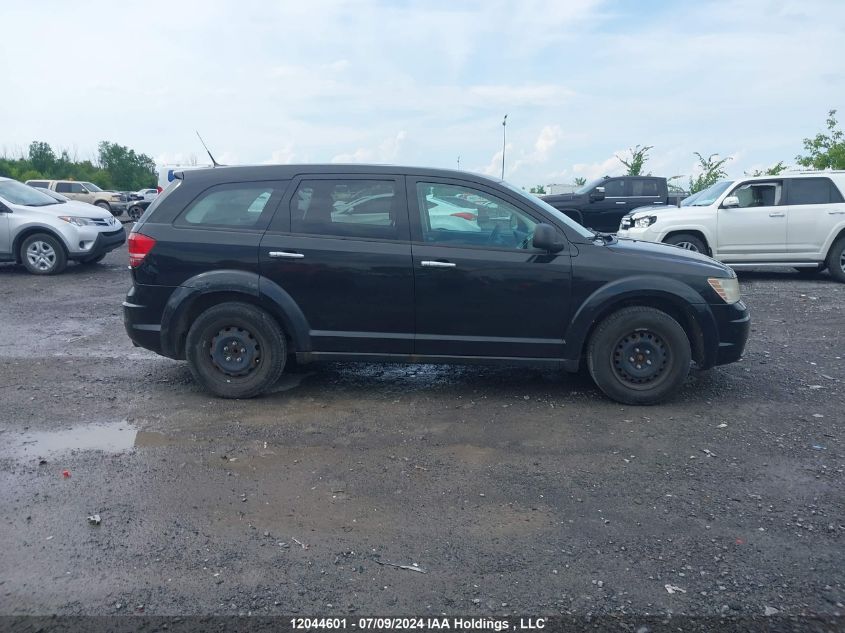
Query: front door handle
[[621, 202], [436, 264], [776, 215], [836, 212], [286, 255]]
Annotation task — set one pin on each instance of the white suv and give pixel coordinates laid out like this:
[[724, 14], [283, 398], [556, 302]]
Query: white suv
[[795, 220]]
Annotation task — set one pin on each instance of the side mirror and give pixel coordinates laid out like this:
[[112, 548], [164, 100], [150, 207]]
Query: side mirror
[[84, 190], [546, 238], [597, 194], [730, 202]]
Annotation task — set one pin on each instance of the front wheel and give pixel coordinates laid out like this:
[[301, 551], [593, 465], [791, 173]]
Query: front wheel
[[236, 350], [43, 254], [836, 260], [639, 355], [688, 242], [135, 212]]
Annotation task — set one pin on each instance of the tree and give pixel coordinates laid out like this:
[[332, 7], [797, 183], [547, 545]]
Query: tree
[[538, 189], [580, 181], [41, 156], [126, 169], [774, 170], [639, 155], [825, 151], [712, 169]]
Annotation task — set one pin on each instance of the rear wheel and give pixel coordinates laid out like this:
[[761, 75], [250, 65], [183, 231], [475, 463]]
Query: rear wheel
[[688, 242], [639, 355], [236, 350], [43, 254], [836, 260]]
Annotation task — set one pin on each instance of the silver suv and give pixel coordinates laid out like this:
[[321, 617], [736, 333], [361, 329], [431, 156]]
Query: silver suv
[[43, 232]]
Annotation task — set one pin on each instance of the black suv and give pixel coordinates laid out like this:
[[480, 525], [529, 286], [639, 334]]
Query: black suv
[[239, 268]]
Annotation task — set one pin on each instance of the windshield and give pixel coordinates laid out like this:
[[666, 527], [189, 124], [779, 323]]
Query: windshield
[[56, 196], [708, 196], [589, 186], [686, 202], [17, 193], [90, 186], [534, 200]]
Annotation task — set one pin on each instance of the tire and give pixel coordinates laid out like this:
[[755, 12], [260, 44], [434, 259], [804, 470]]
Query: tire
[[43, 254], [105, 206], [254, 331], [688, 242], [641, 334], [135, 212], [811, 270], [836, 260]]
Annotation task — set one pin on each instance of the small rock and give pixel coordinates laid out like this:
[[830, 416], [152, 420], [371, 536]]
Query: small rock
[[767, 611]]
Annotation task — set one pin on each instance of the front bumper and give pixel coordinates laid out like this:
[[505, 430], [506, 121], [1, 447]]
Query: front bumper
[[733, 323], [102, 243], [634, 233]]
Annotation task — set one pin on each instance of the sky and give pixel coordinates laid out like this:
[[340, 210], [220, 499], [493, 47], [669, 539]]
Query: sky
[[426, 82]]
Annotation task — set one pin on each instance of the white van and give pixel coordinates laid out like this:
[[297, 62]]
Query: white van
[[795, 220]]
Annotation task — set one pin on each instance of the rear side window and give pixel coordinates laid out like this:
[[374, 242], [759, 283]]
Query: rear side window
[[368, 209], [642, 187], [242, 205], [63, 187], [812, 191], [37, 183]]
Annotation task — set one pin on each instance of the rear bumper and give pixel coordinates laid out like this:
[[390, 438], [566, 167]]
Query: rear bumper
[[142, 312], [733, 323]]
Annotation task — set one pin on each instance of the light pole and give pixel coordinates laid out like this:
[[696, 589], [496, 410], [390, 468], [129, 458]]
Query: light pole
[[504, 128]]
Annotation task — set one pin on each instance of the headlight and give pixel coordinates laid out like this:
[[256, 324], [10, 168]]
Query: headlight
[[77, 221], [116, 198], [644, 223], [728, 289]]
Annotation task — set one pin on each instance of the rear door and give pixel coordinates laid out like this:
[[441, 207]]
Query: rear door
[[605, 215], [339, 246], [814, 208], [756, 229], [646, 192], [482, 290]]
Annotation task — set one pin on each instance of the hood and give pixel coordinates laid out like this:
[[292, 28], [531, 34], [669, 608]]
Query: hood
[[668, 254], [71, 207]]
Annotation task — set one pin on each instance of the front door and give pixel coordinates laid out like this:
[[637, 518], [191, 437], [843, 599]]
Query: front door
[[605, 215], [339, 246], [756, 229], [482, 290], [5, 242]]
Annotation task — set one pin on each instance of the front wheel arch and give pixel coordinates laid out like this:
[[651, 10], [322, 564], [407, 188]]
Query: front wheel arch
[[708, 250]]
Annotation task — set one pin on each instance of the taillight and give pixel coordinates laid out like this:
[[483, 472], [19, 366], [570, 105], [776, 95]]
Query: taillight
[[466, 215], [139, 246]]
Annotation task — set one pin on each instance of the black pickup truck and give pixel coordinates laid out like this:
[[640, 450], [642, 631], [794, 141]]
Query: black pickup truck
[[600, 204]]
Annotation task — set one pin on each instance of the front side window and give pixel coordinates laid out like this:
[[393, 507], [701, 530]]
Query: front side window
[[809, 191], [461, 216], [90, 186], [613, 188], [366, 209], [230, 205], [758, 194], [644, 188]]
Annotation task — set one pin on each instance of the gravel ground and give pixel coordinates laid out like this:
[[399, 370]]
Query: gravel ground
[[514, 490]]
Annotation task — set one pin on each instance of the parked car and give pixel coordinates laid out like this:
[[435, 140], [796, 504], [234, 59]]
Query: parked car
[[795, 220], [43, 232], [136, 209], [112, 201], [600, 204], [236, 268], [143, 194]]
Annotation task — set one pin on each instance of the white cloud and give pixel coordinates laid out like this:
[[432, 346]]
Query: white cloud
[[386, 151]]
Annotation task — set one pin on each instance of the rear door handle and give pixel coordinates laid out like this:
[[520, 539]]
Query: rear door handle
[[621, 202], [436, 264], [776, 215], [285, 254]]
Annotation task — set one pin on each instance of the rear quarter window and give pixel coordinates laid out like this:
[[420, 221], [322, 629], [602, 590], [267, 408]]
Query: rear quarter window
[[246, 205]]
